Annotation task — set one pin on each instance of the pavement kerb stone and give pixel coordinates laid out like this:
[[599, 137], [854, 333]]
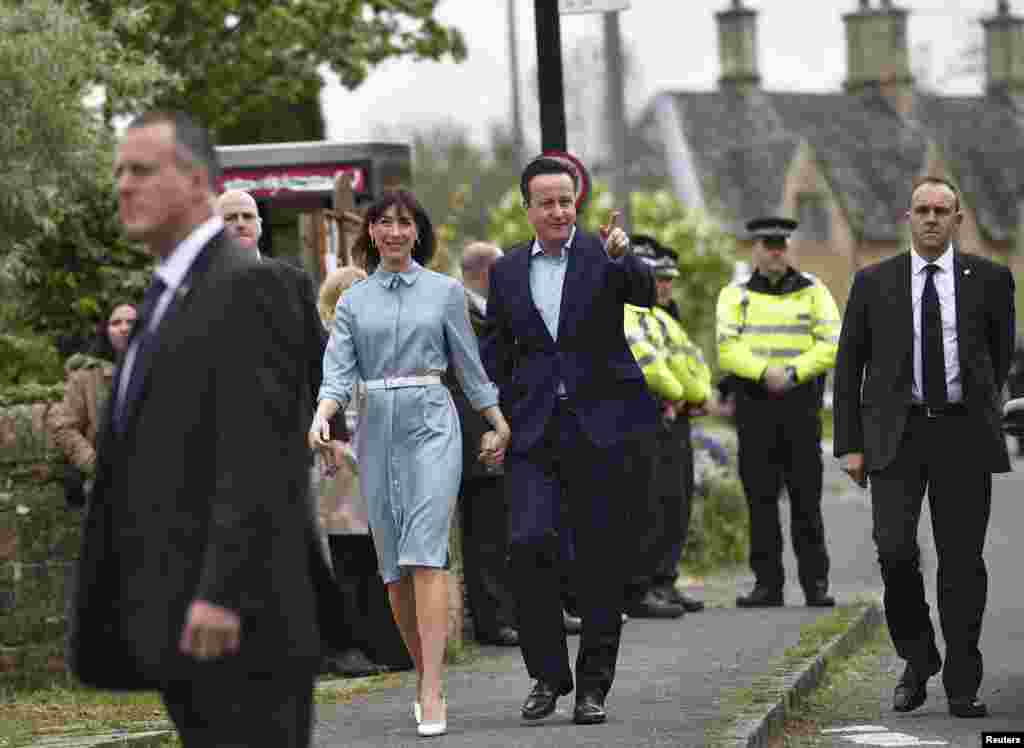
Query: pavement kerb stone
[[756, 732]]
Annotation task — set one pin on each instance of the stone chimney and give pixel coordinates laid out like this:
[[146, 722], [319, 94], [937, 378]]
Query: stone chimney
[[877, 54], [1004, 52], [737, 48]]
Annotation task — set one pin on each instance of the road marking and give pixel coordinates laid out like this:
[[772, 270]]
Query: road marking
[[878, 735]]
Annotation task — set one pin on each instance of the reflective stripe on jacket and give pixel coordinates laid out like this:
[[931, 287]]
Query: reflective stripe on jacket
[[650, 349], [685, 360], [795, 323]]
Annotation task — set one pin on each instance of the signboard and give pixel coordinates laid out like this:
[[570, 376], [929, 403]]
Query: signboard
[[568, 7], [292, 181]]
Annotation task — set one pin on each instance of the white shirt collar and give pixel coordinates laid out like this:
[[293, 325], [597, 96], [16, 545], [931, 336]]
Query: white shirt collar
[[173, 270], [538, 249], [478, 300], [944, 261]]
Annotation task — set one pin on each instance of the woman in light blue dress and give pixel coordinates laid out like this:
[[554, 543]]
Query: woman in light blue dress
[[398, 331]]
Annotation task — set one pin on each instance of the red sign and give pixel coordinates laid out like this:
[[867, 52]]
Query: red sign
[[291, 181], [582, 175]]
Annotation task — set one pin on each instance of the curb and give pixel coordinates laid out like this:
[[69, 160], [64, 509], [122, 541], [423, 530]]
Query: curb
[[796, 685]]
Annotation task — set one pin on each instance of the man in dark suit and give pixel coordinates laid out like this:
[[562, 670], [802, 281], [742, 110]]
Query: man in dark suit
[[200, 574], [924, 352], [574, 397], [243, 222], [482, 505]]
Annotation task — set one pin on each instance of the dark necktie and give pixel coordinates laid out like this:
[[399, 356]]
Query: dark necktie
[[933, 360], [143, 341]]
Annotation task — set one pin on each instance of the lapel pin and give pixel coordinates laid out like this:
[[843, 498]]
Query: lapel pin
[[182, 291], [967, 271]]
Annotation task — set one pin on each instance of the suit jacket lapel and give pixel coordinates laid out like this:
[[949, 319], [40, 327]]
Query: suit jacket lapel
[[172, 316], [573, 275], [963, 294], [905, 310]]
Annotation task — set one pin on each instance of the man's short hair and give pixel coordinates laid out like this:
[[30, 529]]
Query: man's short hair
[[545, 165], [477, 255], [192, 141], [929, 179]]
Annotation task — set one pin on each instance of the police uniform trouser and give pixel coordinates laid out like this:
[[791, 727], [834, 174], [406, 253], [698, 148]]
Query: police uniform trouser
[[780, 445], [672, 481]]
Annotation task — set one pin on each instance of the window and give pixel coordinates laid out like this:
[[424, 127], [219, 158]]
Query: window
[[814, 218]]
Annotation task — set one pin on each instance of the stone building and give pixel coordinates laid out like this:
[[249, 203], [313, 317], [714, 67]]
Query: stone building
[[842, 163]]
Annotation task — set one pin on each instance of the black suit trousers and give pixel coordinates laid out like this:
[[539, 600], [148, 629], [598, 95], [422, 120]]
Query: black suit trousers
[[930, 457], [484, 515], [225, 707], [565, 469]]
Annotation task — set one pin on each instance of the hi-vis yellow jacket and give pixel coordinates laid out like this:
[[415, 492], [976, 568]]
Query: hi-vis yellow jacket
[[795, 323], [673, 367]]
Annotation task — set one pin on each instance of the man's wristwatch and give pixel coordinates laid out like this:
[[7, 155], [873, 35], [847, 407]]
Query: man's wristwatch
[[791, 374]]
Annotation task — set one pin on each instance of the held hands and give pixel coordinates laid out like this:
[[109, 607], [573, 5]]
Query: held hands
[[492, 447], [776, 379], [210, 631], [853, 466], [615, 238]]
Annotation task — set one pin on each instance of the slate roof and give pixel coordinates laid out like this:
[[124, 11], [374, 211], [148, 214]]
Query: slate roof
[[743, 145]]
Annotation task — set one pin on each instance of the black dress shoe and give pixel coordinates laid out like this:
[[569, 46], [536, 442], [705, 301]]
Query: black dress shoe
[[761, 597], [589, 709], [505, 636], [573, 624], [674, 596], [969, 708], [652, 606], [817, 595], [542, 700], [911, 690]]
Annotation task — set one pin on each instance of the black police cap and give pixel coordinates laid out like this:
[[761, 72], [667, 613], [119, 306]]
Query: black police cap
[[770, 226]]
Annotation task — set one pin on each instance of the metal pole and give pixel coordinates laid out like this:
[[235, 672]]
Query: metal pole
[[549, 75], [615, 116], [513, 64]]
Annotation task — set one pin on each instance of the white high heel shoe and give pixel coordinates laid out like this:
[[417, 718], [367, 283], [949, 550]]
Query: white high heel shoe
[[433, 729]]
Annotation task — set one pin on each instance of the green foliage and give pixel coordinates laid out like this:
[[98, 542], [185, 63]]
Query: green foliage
[[32, 392], [719, 526], [705, 251], [25, 360], [234, 60], [61, 258]]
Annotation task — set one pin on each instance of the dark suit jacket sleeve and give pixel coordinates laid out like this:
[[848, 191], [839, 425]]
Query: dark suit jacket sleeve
[[1002, 328], [498, 346], [854, 350], [637, 281], [260, 377]]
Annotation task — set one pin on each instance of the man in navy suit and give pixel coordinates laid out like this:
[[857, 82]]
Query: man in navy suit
[[574, 397]]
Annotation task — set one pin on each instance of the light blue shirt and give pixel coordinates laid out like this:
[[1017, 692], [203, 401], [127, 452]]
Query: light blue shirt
[[547, 278]]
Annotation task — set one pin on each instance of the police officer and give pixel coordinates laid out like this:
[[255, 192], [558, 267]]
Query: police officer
[[778, 333], [678, 377]]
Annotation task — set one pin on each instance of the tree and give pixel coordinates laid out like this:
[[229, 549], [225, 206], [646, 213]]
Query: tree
[[705, 251], [238, 59], [61, 256]]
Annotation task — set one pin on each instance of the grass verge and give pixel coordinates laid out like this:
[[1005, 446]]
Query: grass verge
[[740, 707]]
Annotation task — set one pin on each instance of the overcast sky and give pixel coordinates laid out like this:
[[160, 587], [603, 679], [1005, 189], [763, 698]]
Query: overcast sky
[[674, 43]]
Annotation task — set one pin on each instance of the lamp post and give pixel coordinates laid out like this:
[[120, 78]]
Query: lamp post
[[549, 75]]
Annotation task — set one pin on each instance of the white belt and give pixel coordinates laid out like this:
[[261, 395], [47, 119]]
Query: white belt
[[394, 383]]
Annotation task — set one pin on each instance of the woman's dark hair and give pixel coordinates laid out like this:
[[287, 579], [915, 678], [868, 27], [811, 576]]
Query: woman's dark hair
[[100, 346], [422, 252]]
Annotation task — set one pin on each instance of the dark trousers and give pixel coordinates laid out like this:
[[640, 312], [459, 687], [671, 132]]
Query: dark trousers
[[780, 444], [931, 456], [224, 708], [484, 514], [565, 469], [672, 484], [366, 617]]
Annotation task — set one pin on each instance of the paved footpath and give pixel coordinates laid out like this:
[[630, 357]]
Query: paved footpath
[[671, 673], [1002, 642]]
